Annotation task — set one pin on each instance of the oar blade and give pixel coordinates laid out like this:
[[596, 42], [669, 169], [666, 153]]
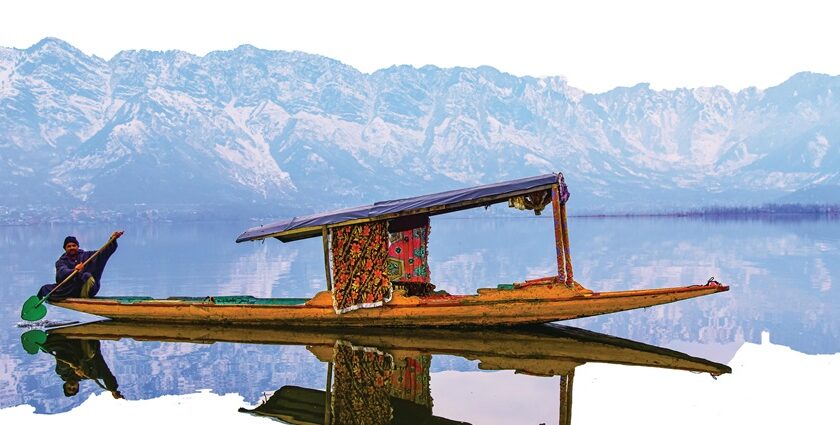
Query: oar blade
[[33, 309], [33, 340]]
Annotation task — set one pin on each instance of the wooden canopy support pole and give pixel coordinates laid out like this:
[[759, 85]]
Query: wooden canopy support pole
[[328, 395], [567, 252], [566, 383], [559, 230], [325, 236]]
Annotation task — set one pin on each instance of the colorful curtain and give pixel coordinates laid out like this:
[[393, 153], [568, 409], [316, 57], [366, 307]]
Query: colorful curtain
[[408, 255], [361, 385], [359, 255], [411, 380]]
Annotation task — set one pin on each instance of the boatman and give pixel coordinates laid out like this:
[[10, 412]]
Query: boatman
[[85, 284], [77, 360]]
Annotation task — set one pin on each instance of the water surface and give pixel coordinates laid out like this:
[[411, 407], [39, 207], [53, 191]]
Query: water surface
[[782, 303]]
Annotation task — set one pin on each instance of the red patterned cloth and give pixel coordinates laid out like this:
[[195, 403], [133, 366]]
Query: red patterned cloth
[[359, 255], [408, 255], [410, 380]]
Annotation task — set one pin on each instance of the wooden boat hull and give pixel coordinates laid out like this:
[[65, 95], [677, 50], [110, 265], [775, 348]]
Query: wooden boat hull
[[406, 356], [491, 307], [534, 349]]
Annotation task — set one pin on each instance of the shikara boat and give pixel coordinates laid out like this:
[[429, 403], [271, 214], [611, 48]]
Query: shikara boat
[[382, 376], [546, 349], [376, 273]]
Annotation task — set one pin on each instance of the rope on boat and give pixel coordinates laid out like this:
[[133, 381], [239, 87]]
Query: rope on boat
[[565, 273], [567, 253]]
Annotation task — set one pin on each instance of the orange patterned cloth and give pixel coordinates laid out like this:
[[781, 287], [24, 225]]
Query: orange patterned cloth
[[359, 255], [361, 387]]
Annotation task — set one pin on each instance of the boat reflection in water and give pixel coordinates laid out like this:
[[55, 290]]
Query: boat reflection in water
[[381, 376]]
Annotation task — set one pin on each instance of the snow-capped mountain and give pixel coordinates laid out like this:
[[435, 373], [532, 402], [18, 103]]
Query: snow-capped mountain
[[260, 130]]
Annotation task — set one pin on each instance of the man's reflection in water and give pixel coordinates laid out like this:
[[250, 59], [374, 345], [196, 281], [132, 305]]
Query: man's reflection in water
[[80, 359]]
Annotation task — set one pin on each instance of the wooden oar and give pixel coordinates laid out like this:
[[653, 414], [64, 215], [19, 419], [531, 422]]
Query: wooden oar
[[34, 308]]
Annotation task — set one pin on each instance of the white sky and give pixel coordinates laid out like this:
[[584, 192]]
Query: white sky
[[596, 45]]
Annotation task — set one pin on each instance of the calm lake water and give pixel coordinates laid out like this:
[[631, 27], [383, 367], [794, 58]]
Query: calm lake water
[[778, 328]]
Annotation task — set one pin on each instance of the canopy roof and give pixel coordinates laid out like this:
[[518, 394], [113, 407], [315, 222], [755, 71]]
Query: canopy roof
[[437, 203]]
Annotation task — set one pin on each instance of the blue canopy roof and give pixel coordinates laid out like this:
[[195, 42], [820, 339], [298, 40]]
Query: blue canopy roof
[[438, 203]]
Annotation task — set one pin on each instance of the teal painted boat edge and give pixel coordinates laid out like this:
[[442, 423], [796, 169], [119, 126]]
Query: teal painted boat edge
[[222, 299]]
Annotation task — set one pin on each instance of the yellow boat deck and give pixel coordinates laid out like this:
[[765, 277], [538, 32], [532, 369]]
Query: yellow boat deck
[[490, 307]]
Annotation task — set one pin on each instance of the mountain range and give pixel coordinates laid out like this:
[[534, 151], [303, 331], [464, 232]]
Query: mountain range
[[252, 132]]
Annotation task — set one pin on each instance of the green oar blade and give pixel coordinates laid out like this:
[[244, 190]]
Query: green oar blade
[[33, 309], [33, 340]]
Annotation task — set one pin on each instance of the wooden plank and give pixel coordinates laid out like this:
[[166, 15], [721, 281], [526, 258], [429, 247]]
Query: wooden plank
[[567, 252], [328, 395], [566, 386], [558, 233], [325, 236]]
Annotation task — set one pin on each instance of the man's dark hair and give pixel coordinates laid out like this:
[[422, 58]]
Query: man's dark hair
[[67, 391], [69, 239]]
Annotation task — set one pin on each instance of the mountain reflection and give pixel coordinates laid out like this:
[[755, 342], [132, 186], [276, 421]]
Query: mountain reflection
[[781, 276], [781, 273], [374, 376]]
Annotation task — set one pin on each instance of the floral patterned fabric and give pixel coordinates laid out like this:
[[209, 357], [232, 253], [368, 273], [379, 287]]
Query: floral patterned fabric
[[361, 385], [359, 256]]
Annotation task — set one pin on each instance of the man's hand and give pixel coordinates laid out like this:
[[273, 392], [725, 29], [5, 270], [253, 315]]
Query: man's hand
[[117, 234], [79, 267]]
